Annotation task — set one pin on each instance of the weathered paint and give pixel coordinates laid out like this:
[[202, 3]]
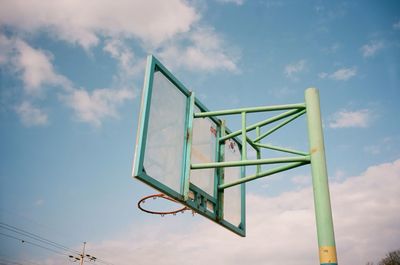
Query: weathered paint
[[327, 255], [322, 203], [188, 148]]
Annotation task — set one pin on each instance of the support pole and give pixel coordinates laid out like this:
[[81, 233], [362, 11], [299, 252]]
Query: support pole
[[83, 253], [258, 151], [322, 204], [221, 175]]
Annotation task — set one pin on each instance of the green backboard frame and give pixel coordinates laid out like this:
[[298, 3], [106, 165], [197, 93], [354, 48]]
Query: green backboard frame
[[199, 200]]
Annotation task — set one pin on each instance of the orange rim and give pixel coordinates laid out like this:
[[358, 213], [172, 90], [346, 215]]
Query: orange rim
[[163, 196]]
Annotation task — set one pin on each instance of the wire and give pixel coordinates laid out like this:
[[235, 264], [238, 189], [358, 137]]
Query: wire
[[34, 244], [42, 240], [36, 237]]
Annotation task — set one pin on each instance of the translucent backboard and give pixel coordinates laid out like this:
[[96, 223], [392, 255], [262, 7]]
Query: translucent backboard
[[170, 139]]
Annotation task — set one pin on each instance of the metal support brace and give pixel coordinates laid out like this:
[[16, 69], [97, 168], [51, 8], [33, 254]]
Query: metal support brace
[[298, 106], [258, 151], [279, 126], [262, 174], [304, 159], [282, 149], [261, 123]]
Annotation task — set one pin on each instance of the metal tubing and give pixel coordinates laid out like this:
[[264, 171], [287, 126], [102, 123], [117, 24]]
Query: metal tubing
[[244, 144], [221, 175], [188, 147], [279, 126], [323, 212], [260, 175], [286, 150], [244, 137], [261, 123], [252, 143], [258, 151], [304, 159], [248, 110]]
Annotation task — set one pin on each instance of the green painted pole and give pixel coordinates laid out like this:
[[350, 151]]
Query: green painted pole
[[221, 175], [258, 151], [240, 163], [261, 174], [188, 147], [244, 139], [261, 123], [248, 110], [286, 150], [279, 126], [322, 204]]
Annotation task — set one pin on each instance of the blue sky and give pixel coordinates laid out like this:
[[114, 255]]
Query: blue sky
[[71, 73]]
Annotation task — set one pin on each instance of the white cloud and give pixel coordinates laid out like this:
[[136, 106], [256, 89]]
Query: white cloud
[[154, 25], [237, 2], [33, 66], [206, 51], [385, 145], [6, 47], [36, 69], [82, 22], [280, 230], [396, 25], [93, 107], [31, 115], [301, 180], [323, 75], [345, 119], [123, 54], [342, 74], [294, 68], [370, 49], [339, 175], [129, 66]]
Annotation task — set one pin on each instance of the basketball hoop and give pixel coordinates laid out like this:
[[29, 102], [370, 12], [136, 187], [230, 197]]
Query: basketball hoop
[[162, 213]]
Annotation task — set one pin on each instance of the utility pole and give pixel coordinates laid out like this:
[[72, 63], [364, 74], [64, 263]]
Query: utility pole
[[81, 257], [83, 253]]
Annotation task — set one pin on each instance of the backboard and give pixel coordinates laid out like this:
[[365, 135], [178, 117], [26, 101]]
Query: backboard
[[170, 139]]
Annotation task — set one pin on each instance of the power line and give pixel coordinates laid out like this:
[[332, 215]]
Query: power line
[[66, 250], [35, 237], [34, 244], [36, 223]]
